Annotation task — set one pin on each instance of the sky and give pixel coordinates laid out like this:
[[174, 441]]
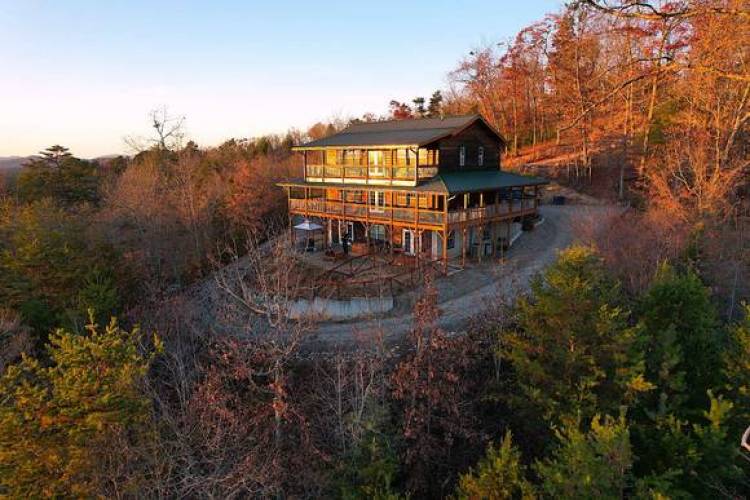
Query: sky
[[85, 74]]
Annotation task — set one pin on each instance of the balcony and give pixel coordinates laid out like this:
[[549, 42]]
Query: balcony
[[383, 167], [339, 173], [504, 208], [374, 213], [358, 209]]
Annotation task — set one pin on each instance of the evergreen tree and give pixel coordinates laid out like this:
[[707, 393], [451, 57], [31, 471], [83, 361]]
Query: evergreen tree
[[51, 271], [55, 155], [419, 109], [58, 174], [72, 428], [588, 465], [573, 352], [681, 431], [737, 373], [370, 469], [682, 341], [435, 107], [498, 476]]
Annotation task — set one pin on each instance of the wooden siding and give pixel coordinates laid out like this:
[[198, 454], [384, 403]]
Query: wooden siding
[[474, 136]]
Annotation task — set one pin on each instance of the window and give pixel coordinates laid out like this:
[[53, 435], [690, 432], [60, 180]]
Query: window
[[402, 157], [377, 200], [404, 199], [377, 163], [461, 156], [480, 156], [451, 240], [377, 232]]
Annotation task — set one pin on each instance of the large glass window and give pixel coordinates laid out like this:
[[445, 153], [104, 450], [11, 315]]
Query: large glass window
[[376, 160], [377, 232]]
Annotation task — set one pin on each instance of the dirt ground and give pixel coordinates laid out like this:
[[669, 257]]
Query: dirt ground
[[469, 292]]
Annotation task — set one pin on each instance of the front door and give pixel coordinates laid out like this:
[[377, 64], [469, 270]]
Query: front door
[[407, 238]]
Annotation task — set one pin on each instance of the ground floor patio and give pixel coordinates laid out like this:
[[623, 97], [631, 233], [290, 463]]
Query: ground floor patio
[[339, 240]]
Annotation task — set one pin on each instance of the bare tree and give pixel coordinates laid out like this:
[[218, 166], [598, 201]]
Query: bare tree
[[168, 132]]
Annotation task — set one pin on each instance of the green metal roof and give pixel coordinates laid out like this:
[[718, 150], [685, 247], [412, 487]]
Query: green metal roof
[[450, 182], [413, 132], [482, 180]]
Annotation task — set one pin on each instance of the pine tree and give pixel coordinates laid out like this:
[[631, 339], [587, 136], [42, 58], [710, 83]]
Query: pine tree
[[499, 475], [435, 107], [588, 465], [419, 109], [71, 428], [573, 352]]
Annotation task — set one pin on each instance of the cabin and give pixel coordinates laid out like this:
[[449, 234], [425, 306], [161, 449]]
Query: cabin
[[429, 188]]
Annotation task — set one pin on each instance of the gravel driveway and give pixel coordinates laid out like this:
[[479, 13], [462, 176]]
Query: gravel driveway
[[469, 292]]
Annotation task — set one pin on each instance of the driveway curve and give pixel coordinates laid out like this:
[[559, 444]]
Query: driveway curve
[[469, 292]]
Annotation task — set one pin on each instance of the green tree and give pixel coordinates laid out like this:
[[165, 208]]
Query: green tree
[[588, 465], [58, 174], [682, 341], [499, 475], [681, 431], [435, 106], [573, 352], [370, 468], [737, 373], [71, 428], [419, 109], [691, 460], [55, 155], [51, 269]]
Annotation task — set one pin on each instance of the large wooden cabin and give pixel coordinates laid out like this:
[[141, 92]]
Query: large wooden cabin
[[432, 188]]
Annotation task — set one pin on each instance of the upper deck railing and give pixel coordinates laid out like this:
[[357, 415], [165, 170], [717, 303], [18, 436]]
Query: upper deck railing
[[365, 166]]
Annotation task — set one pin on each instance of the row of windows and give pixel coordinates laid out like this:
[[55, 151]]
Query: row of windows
[[376, 157], [462, 156]]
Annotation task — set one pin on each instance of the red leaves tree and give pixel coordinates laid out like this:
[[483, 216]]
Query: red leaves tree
[[432, 389]]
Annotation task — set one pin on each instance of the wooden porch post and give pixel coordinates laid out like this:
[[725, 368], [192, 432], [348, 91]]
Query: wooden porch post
[[445, 234], [445, 251], [463, 246], [416, 165], [417, 243]]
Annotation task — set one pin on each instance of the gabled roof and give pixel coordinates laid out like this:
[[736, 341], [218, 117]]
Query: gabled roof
[[451, 182], [416, 132]]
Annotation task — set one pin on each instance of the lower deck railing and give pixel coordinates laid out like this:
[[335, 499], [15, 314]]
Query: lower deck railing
[[377, 213]]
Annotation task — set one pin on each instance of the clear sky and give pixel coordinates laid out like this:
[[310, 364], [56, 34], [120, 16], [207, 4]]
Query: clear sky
[[86, 73]]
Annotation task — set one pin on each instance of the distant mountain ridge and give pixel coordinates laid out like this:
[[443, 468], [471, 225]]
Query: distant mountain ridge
[[16, 162], [12, 162]]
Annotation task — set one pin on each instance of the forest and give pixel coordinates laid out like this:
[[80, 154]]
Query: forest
[[623, 373]]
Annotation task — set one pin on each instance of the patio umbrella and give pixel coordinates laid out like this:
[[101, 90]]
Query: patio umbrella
[[306, 225]]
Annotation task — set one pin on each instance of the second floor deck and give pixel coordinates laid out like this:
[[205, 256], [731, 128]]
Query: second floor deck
[[396, 167], [407, 208]]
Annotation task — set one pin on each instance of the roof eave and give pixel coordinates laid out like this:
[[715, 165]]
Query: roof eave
[[354, 146]]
